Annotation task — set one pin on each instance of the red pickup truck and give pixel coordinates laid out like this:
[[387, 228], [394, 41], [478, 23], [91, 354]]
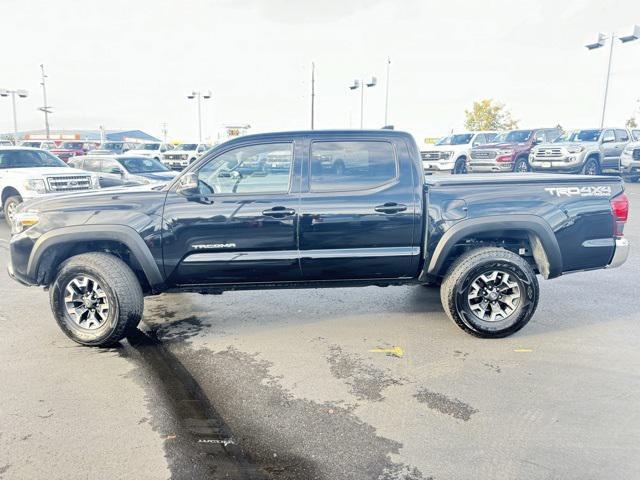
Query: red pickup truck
[[70, 149]]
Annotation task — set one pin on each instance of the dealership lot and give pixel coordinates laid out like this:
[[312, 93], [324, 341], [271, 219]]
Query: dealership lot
[[352, 383]]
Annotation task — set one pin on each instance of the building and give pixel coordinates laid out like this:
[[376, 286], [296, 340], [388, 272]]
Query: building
[[137, 136]]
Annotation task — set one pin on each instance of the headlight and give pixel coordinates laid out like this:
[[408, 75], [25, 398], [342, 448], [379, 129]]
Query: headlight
[[628, 151], [505, 152], [35, 185], [24, 220], [576, 149], [445, 155], [95, 182]]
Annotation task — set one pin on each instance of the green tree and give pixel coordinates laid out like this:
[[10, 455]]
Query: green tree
[[631, 123], [489, 115]]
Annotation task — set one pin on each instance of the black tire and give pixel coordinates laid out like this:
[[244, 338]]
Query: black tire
[[460, 167], [521, 165], [122, 292], [458, 287], [9, 207], [591, 167]]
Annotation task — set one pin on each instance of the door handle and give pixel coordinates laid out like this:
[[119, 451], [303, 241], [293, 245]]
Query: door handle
[[390, 207], [278, 212]]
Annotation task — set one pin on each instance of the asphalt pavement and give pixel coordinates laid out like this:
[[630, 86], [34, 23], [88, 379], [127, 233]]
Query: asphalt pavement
[[359, 383]]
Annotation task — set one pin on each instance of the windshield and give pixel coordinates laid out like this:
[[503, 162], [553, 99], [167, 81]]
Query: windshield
[[112, 146], [142, 165], [149, 146], [187, 146], [515, 136], [72, 145], [31, 144], [579, 136], [460, 139], [28, 159]]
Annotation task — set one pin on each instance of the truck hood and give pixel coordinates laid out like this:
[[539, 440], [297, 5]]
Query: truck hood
[[564, 144], [144, 153], [158, 176], [445, 148], [500, 146], [48, 171]]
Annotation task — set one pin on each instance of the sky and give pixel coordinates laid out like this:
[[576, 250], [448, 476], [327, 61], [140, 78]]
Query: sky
[[130, 64]]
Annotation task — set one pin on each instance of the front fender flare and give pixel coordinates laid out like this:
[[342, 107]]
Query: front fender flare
[[86, 233]]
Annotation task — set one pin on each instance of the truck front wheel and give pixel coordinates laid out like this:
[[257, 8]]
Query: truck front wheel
[[490, 292], [10, 207], [96, 299]]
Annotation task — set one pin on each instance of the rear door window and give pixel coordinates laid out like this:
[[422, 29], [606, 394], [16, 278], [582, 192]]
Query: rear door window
[[622, 135], [352, 165]]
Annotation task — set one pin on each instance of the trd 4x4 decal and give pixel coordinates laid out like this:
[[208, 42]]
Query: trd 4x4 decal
[[597, 191]]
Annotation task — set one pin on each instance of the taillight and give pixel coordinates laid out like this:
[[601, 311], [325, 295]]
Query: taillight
[[620, 208]]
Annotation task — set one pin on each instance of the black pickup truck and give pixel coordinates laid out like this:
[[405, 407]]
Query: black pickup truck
[[317, 209]]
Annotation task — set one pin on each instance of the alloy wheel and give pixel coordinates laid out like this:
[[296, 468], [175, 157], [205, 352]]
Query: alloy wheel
[[86, 302], [494, 296]]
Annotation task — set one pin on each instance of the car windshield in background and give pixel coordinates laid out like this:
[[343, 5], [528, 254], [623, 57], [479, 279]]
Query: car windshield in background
[[515, 136], [187, 146], [580, 136], [72, 145], [149, 146], [636, 135], [28, 159], [112, 146], [31, 144], [142, 165], [461, 139]]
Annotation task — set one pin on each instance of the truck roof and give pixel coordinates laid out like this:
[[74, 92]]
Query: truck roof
[[321, 133]]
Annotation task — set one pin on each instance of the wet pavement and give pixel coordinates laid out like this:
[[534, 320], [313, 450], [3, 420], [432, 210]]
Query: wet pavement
[[358, 383]]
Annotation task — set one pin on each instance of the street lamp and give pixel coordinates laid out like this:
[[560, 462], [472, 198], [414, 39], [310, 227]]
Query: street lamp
[[628, 36], [199, 96], [360, 84], [22, 94]]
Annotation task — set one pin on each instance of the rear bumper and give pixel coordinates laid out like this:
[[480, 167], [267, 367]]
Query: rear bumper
[[620, 254]]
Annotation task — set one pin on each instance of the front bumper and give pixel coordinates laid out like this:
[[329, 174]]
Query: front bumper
[[631, 169], [438, 165], [620, 254], [489, 167], [568, 164], [176, 164]]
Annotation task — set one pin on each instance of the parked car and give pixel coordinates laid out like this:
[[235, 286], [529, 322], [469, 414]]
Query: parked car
[[41, 144], [451, 153], [509, 151], [588, 151], [215, 229], [630, 162], [184, 155], [5, 143], [151, 149], [28, 173], [119, 170], [113, 148], [70, 149]]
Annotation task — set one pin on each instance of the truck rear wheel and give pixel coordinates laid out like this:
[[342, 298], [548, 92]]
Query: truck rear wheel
[[490, 292], [96, 299]]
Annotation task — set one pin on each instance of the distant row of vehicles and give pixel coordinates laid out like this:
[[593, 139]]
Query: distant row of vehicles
[[175, 157], [587, 151]]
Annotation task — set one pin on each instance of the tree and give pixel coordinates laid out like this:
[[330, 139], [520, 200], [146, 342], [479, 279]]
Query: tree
[[489, 115], [631, 123]]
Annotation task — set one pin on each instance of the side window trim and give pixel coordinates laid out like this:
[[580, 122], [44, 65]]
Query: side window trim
[[391, 181]]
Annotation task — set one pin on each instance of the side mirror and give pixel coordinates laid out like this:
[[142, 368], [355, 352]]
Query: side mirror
[[116, 171], [188, 185]]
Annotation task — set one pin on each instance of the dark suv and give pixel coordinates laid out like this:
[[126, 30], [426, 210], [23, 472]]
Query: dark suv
[[509, 152]]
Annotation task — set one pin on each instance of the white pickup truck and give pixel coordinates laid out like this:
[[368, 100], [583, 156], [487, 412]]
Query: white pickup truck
[[151, 150], [452, 152], [27, 173], [184, 155]]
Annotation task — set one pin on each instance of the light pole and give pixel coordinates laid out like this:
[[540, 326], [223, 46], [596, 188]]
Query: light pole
[[360, 84], [46, 108], [22, 94], [386, 95], [632, 34], [199, 96]]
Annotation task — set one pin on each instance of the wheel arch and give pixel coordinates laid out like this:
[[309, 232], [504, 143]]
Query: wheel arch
[[55, 246], [531, 229], [7, 192]]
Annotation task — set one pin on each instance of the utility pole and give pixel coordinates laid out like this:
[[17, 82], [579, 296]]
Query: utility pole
[[22, 94], [164, 132], [313, 92], [386, 97], [199, 96], [46, 109]]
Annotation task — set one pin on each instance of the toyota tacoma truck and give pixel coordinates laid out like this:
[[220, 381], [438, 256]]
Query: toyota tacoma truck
[[509, 151], [630, 162], [451, 153], [224, 225], [588, 151]]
